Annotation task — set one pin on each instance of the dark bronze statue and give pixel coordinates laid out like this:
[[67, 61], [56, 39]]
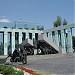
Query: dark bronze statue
[[19, 55]]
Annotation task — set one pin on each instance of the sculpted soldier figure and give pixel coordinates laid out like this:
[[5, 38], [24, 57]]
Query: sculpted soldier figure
[[19, 55]]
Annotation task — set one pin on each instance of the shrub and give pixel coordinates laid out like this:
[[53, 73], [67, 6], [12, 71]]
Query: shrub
[[19, 73], [9, 70], [5, 27], [33, 28], [19, 28], [26, 28]]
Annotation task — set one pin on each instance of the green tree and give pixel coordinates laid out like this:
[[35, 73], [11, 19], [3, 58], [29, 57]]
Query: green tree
[[32, 28], [5, 27], [65, 22], [55, 24], [58, 22]]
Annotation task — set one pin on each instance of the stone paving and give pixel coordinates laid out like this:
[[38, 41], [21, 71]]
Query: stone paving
[[58, 64]]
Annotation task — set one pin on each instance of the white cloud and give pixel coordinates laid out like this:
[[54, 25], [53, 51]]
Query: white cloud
[[4, 20]]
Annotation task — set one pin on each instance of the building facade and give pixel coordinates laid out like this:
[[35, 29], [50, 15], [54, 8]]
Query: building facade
[[10, 38], [62, 36]]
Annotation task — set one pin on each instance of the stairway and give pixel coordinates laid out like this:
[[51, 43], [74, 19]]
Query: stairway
[[27, 42], [46, 45], [28, 46]]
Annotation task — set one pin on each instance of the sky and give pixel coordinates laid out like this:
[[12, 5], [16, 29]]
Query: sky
[[43, 12]]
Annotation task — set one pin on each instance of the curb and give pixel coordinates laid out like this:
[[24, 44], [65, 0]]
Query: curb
[[30, 72]]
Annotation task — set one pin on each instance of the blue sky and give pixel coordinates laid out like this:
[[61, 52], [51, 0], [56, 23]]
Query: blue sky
[[43, 12]]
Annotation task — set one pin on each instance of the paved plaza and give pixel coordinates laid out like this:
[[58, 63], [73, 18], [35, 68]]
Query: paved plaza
[[56, 64], [59, 64]]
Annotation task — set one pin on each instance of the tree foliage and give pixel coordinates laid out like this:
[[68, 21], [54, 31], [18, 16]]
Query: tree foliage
[[64, 22], [59, 22], [55, 24]]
